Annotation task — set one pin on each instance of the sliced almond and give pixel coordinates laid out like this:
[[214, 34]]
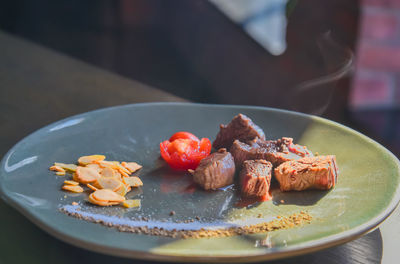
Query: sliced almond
[[67, 167], [84, 160], [133, 181], [107, 196], [71, 183], [131, 166], [72, 188], [57, 168], [60, 173], [86, 175], [131, 203]]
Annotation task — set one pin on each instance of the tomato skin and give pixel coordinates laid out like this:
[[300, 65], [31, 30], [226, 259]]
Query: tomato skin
[[183, 135], [184, 153]]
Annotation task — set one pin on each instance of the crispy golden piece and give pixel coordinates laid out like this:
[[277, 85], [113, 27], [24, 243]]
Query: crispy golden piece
[[85, 160], [86, 175], [60, 173], [133, 181], [56, 168], [91, 187], [67, 167], [131, 203], [71, 183], [131, 166], [72, 188]]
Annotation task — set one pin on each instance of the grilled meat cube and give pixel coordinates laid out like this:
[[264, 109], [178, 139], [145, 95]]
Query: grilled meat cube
[[215, 171], [255, 178], [307, 173], [275, 151], [241, 127]]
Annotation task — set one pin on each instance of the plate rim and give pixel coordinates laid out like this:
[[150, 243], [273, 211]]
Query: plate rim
[[293, 250]]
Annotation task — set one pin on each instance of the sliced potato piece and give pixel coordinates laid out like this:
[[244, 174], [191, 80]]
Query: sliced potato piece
[[86, 175], [67, 167], [107, 196], [131, 203], [85, 160], [133, 181], [131, 166], [72, 188], [71, 183]]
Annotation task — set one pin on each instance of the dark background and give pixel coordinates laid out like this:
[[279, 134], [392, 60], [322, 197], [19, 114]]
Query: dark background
[[193, 50]]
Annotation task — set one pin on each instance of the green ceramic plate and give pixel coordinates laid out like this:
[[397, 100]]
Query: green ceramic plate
[[367, 190]]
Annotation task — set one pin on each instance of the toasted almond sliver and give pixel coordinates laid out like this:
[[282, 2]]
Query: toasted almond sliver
[[107, 172], [84, 160], [91, 187], [107, 196], [71, 183], [133, 181], [68, 167], [123, 173], [60, 173], [86, 175], [72, 188], [109, 183], [57, 168], [131, 166], [131, 203]]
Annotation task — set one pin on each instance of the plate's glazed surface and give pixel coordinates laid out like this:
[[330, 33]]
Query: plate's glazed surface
[[367, 190]]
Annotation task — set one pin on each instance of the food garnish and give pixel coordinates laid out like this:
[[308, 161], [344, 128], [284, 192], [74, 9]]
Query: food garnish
[[110, 181], [185, 151]]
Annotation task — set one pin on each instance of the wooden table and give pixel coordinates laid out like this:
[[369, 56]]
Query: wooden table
[[39, 86]]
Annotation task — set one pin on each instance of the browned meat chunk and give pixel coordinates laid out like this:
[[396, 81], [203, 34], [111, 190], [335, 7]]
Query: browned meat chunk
[[307, 173], [255, 177], [215, 171], [241, 127], [275, 151]]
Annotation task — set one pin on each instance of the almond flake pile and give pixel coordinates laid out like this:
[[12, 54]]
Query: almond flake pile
[[110, 181]]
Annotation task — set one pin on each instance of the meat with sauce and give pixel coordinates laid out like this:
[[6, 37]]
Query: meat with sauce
[[275, 151], [215, 171], [255, 178], [307, 173], [241, 127]]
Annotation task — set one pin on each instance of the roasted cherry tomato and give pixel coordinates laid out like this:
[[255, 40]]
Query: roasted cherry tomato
[[185, 151], [183, 135]]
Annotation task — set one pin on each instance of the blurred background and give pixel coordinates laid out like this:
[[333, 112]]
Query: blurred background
[[338, 59]]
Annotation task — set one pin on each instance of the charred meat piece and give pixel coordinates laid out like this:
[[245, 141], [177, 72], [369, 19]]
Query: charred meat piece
[[275, 151], [215, 171], [307, 173], [255, 177], [241, 127]]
